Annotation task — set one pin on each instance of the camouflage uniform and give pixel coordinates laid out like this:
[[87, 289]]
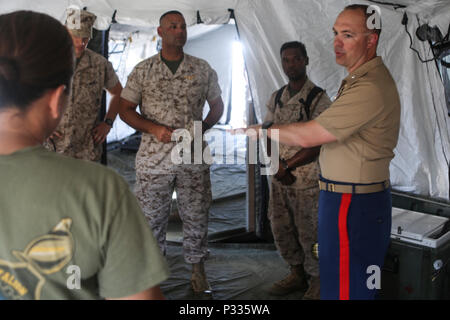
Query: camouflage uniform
[[175, 100], [92, 74], [293, 208]]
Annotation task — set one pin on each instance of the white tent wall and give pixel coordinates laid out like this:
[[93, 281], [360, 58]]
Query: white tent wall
[[138, 46], [435, 13], [422, 154], [423, 151], [215, 47], [264, 25], [56, 9], [421, 162]]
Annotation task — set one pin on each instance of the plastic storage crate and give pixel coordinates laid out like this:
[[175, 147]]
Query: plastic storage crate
[[416, 266]]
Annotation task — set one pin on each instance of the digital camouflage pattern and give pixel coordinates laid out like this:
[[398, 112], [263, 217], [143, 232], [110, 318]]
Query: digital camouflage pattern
[[193, 187], [293, 217], [92, 74], [293, 209], [175, 100], [80, 22], [307, 176]]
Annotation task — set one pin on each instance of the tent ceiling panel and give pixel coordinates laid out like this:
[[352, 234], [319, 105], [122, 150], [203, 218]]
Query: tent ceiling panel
[[147, 13], [51, 7]]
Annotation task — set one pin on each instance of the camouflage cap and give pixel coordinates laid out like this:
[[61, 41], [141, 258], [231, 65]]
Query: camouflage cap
[[80, 22]]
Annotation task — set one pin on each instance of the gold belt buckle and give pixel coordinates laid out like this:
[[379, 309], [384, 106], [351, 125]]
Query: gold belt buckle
[[331, 187]]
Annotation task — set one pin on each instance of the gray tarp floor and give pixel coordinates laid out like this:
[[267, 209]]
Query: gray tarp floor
[[236, 271]]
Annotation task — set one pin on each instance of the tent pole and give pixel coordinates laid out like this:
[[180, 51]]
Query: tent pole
[[255, 205]]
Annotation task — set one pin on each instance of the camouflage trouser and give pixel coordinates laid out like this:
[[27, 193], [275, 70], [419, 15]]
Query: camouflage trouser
[[293, 217], [193, 188]]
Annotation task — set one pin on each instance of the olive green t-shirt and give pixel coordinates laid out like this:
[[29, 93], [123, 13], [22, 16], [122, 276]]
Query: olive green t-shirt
[[172, 65], [365, 119], [71, 229]]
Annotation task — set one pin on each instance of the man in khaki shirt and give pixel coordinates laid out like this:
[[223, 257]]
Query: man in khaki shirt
[[358, 134]]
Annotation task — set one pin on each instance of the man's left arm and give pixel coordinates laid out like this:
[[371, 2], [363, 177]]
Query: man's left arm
[[102, 129], [214, 114]]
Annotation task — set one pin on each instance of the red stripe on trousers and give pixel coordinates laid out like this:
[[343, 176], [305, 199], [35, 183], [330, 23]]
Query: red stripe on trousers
[[344, 248]]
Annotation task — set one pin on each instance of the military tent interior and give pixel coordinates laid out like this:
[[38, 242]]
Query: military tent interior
[[241, 41]]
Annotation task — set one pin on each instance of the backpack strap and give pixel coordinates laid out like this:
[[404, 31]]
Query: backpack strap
[[278, 97], [309, 99]]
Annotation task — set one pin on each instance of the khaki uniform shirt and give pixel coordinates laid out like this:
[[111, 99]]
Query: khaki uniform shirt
[[92, 74], [365, 119], [175, 100], [291, 111]]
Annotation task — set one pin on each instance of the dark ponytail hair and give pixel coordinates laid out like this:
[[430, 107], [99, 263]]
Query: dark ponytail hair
[[36, 54]]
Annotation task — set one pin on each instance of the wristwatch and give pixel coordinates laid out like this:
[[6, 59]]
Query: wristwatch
[[266, 125], [109, 122]]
